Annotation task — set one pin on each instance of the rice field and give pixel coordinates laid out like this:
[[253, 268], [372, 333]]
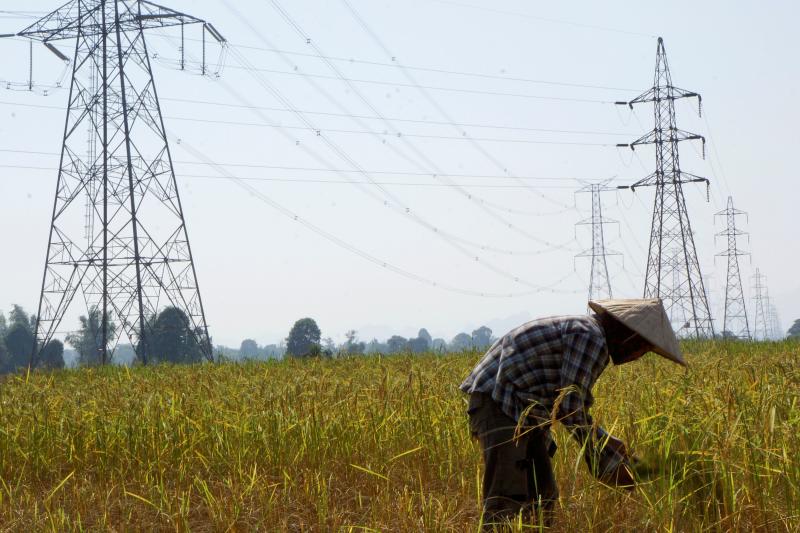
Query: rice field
[[381, 444]]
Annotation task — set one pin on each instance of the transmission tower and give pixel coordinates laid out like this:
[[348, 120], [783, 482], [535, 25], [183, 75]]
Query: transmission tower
[[760, 303], [735, 322], [673, 271], [599, 280], [775, 323], [118, 235]]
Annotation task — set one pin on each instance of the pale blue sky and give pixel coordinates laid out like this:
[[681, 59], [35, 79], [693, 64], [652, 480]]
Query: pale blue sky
[[260, 270]]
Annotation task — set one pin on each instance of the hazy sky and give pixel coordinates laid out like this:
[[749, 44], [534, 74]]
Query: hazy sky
[[537, 104]]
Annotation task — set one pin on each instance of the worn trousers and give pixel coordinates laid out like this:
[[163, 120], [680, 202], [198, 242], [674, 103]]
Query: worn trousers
[[518, 474]]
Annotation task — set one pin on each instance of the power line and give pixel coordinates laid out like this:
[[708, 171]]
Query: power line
[[395, 202], [385, 134], [357, 251], [483, 247], [322, 181], [342, 170], [517, 15], [436, 173], [374, 36], [357, 132], [435, 70], [396, 119], [411, 86]]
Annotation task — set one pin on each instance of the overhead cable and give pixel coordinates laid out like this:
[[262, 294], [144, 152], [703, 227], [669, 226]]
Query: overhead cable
[[351, 60], [433, 101], [361, 253], [430, 164]]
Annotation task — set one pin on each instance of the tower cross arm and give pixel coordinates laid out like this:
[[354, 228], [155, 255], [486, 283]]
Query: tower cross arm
[[660, 136], [730, 211], [656, 179], [80, 17], [591, 253], [657, 94], [603, 220], [734, 252]]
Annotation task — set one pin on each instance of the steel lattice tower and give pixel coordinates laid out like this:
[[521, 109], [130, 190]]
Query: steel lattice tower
[[599, 280], [118, 235], [735, 322], [775, 323], [760, 299], [673, 270]]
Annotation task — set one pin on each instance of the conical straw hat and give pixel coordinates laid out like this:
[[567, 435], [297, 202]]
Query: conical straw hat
[[648, 318]]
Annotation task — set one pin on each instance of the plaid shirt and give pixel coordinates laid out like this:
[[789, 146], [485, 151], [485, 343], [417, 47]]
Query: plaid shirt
[[531, 366]]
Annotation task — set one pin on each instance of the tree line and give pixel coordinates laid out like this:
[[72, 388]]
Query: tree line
[[17, 340], [169, 334], [170, 339], [305, 340]]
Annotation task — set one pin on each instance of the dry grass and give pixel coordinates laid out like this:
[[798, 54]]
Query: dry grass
[[382, 444]]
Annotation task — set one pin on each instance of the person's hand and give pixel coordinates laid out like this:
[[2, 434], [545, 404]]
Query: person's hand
[[621, 474], [616, 445], [621, 477]]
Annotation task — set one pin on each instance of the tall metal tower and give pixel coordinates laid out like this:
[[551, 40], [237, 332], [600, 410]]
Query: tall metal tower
[[760, 298], [673, 271], [599, 280], [776, 328], [735, 322], [118, 235]]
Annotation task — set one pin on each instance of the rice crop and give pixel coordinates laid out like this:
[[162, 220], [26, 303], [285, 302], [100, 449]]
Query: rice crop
[[382, 444]]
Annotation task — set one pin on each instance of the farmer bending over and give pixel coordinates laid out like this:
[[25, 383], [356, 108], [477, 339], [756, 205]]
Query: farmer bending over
[[553, 363]]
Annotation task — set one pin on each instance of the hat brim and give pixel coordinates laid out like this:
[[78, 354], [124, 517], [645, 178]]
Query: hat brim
[[660, 350]]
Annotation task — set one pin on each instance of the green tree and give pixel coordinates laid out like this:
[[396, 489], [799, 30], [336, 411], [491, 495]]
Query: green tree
[[396, 343], [439, 345], [4, 357], [3, 350], [273, 351], [482, 337], [794, 331], [18, 316], [52, 355], [303, 339], [171, 339], [88, 341], [19, 343], [418, 345], [375, 346], [249, 349], [461, 342], [328, 345], [352, 345], [423, 334]]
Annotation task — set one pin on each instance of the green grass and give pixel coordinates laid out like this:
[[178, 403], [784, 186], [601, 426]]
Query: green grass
[[382, 444]]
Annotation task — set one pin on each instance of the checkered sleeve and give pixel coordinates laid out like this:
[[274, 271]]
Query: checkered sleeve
[[585, 356]]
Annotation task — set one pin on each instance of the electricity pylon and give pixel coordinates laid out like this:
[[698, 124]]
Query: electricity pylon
[[776, 329], [118, 235], [735, 323], [599, 280], [760, 299], [673, 271]]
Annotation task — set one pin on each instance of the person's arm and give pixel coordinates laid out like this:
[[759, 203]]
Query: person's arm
[[584, 357]]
